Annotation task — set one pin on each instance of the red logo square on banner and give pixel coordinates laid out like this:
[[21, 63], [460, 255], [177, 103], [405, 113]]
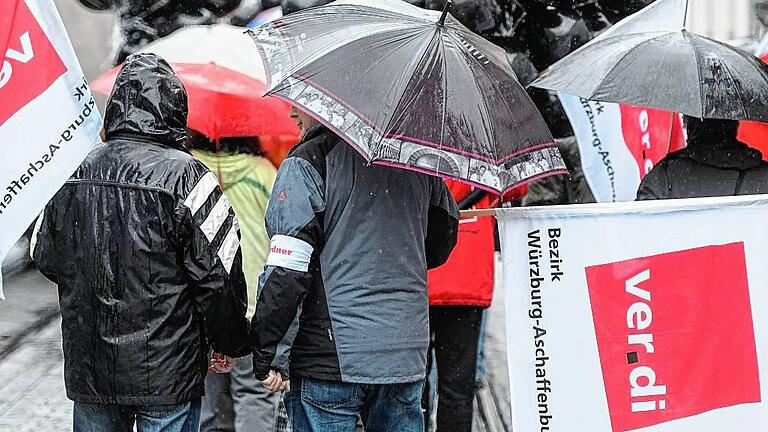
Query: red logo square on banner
[[29, 64], [675, 335]]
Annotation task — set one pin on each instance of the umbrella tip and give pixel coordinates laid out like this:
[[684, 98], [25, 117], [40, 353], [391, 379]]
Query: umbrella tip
[[448, 5]]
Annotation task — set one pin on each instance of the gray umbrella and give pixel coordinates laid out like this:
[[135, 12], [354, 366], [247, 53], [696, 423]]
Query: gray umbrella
[[410, 88], [677, 71]]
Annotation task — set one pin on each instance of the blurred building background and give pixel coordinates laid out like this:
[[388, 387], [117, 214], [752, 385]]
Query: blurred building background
[[91, 35], [726, 20]]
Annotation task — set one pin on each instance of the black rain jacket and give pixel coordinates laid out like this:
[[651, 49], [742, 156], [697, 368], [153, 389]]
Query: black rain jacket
[[145, 250], [709, 167]]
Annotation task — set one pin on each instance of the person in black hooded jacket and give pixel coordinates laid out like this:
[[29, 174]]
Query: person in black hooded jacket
[[714, 164], [145, 250]]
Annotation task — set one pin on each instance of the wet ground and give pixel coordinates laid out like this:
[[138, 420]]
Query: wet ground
[[32, 395]]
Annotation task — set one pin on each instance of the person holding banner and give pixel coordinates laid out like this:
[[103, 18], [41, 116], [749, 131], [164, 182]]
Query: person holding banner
[[713, 164], [145, 250]]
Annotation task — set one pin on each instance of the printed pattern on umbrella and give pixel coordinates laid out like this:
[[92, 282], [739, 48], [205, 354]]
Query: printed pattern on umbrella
[[391, 89]]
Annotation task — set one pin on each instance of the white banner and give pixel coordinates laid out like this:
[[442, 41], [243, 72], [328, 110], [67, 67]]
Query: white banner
[[48, 118], [647, 316], [620, 144]]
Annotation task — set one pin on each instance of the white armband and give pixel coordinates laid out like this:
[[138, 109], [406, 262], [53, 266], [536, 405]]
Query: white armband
[[290, 253]]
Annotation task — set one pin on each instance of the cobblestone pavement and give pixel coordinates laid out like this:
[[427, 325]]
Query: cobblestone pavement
[[32, 396]]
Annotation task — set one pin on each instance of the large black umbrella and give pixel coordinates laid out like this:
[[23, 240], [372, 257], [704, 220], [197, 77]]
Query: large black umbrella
[[411, 88], [677, 71]]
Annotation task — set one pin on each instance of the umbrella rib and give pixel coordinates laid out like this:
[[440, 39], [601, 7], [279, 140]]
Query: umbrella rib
[[741, 96], [698, 74], [317, 57], [487, 108], [626, 54], [493, 83], [480, 42], [391, 52], [385, 127], [445, 92]]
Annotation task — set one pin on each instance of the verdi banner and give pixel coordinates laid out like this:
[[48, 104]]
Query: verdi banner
[[48, 118], [647, 316]]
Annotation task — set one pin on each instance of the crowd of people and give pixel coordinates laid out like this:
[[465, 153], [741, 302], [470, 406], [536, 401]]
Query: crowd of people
[[198, 282]]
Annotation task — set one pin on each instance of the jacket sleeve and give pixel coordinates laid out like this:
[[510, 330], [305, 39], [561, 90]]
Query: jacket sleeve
[[41, 245], [210, 246], [442, 226], [294, 224]]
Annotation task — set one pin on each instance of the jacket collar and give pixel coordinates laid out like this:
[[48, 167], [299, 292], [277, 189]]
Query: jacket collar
[[314, 131]]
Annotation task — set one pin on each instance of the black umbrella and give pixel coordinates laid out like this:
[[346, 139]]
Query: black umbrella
[[412, 88], [677, 71]]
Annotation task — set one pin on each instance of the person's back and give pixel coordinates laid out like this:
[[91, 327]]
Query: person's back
[[145, 251], [351, 244], [714, 164]]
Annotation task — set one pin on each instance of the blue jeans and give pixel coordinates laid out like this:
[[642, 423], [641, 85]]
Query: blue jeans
[[322, 406], [117, 418]]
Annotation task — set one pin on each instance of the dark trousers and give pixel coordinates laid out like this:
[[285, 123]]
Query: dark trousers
[[455, 335]]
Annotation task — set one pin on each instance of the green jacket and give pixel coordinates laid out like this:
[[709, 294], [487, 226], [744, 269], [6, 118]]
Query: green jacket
[[247, 182]]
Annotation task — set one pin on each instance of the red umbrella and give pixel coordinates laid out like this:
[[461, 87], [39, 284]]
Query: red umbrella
[[225, 87]]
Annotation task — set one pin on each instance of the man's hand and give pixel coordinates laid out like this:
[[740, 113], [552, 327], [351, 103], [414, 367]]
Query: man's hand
[[275, 382], [221, 364]]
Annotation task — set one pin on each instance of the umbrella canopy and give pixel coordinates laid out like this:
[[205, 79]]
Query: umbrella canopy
[[224, 86], [407, 89], [673, 70]]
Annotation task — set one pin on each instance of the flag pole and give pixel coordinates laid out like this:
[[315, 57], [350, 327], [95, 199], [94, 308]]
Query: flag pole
[[685, 15], [477, 213]]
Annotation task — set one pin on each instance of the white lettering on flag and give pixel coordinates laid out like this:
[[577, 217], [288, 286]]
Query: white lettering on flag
[[48, 118]]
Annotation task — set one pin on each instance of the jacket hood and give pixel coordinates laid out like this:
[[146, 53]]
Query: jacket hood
[[148, 101]]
